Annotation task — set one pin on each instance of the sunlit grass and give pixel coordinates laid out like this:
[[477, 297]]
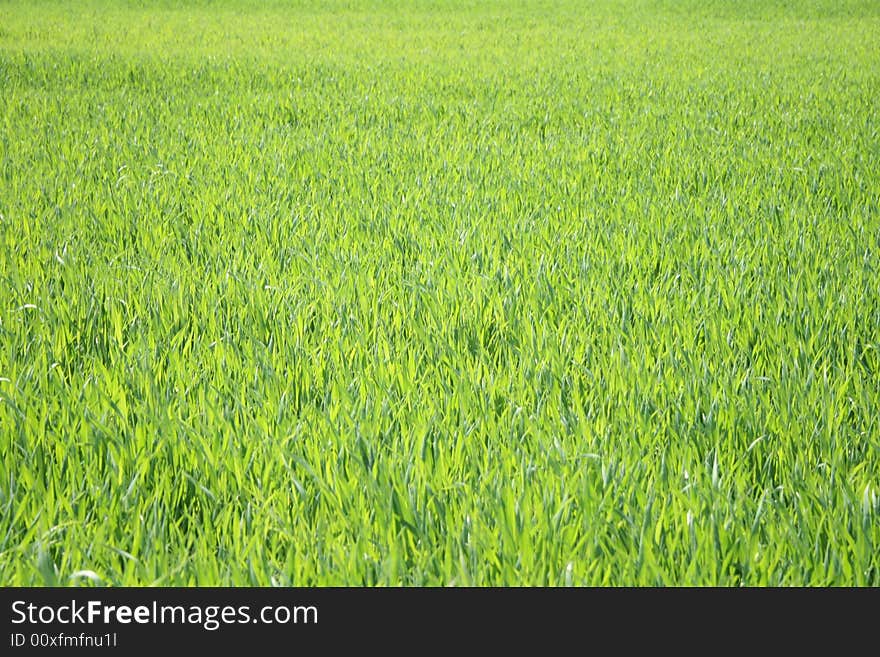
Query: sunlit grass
[[440, 293]]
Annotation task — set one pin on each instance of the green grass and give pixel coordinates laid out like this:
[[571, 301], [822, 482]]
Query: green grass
[[430, 293]]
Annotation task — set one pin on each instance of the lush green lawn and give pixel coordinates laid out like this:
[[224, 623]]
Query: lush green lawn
[[440, 292]]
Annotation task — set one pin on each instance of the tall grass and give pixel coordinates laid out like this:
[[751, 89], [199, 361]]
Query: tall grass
[[440, 293]]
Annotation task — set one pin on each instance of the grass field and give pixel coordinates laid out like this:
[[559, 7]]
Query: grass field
[[431, 293]]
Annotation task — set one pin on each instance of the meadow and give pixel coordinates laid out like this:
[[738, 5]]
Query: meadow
[[440, 293]]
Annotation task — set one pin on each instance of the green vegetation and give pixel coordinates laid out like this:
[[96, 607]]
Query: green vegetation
[[433, 293]]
